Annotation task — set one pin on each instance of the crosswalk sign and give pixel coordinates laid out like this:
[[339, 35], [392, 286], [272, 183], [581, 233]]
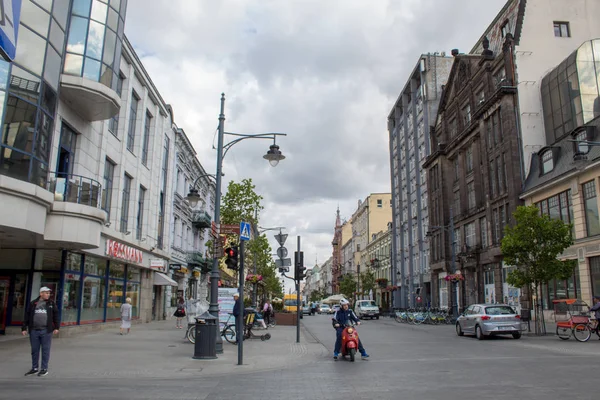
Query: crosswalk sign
[[244, 231]]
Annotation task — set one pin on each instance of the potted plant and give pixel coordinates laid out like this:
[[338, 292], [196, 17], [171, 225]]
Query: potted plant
[[254, 278], [454, 278], [382, 282]]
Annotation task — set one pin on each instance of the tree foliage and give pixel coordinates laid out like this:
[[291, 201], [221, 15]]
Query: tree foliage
[[348, 286], [367, 282], [533, 245], [240, 203]]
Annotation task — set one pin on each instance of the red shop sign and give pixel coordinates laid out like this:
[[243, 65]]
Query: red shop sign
[[123, 252]]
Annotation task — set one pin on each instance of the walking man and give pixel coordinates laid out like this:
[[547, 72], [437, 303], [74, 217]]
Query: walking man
[[41, 319]]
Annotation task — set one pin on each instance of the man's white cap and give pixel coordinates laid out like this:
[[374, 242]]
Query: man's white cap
[[45, 289], [236, 294]]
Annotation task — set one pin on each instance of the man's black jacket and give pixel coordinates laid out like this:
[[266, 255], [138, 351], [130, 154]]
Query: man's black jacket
[[51, 312]]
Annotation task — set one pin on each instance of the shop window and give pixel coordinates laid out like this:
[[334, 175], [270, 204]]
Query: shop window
[[94, 266], [94, 291], [117, 270], [133, 292], [591, 208], [49, 279], [115, 299], [19, 297], [51, 260], [70, 306]]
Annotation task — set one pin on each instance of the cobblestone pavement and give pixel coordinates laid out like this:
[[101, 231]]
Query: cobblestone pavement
[[407, 362]]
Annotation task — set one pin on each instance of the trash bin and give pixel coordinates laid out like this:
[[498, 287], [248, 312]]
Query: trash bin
[[206, 337]]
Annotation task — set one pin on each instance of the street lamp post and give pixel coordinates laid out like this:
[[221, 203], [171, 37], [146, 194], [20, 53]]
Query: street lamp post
[[454, 287], [273, 156]]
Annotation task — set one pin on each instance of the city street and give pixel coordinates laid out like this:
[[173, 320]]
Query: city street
[[408, 362]]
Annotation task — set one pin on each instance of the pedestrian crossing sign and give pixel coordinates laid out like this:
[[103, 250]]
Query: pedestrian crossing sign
[[244, 231]]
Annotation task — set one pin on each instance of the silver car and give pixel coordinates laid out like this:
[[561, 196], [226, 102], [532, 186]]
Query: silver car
[[484, 320]]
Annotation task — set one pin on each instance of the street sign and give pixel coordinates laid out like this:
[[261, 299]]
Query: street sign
[[282, 252], [218, 245], [229, 229], [10, 16], [244, 231], [285, 262], [281, 238], [214, 229]]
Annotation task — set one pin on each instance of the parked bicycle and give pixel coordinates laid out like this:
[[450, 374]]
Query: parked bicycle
[[227, 330]]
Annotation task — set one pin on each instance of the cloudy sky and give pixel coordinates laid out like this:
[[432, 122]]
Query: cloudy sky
[[326, 72]]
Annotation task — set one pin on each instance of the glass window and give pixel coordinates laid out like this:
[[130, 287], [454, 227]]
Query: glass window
[[77, 35], [115, 299], [140, 215], [591, 208], [73, 64], [469, 157], [82, 7], [19, 124], [92, 69], [117, 270], [99, 11], [52, 69], [547, 162], [125, 203], [35, 17], [109, 48], [594, 263], [471, 195], [45, 4], [94, 266], [70, 307], [582, 137], [109, 172], [483, 230], [113, 19], [561, 29], [15, 164], [94, 295], [73, 262], [19, 299], [115, 4], [147, 138], [95, 40], [133, 274], [133, 292], [61, 12], [501, 180], [132, 121], [493, 178], [30, 50]]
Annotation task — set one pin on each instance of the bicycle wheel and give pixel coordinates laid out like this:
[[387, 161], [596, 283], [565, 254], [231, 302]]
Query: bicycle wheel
[[229, 333], [582, 332], [191, 334], [563, 333]]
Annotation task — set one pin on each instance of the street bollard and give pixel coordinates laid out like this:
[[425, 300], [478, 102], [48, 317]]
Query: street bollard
[[206, 336]]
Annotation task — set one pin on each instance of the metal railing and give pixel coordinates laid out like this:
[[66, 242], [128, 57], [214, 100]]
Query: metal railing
[[75, 189], [201, 219]]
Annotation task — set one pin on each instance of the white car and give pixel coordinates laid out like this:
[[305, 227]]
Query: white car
[[366, 309], [324, 309]]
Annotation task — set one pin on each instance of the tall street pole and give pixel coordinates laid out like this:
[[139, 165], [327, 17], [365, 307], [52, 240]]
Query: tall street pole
[[298, 305], [255, 285], [241, 319], [215, 274]]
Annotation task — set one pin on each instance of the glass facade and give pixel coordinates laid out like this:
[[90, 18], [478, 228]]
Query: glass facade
[[571, 92], [95, 40]]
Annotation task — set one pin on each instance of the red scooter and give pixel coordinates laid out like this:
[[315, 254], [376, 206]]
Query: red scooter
[[349, 342]]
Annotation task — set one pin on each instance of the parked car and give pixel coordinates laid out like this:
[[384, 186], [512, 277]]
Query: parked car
[[484, 320], [324, 309], [366, 309], [306, 309]]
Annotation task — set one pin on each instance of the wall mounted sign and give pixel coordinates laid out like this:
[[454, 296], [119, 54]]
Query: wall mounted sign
[[123, 252], [157, 264]]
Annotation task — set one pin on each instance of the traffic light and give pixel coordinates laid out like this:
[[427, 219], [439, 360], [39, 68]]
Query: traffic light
[[300, 269], [232, 257]]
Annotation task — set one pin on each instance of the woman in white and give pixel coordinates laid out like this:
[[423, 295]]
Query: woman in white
[[126, 315]]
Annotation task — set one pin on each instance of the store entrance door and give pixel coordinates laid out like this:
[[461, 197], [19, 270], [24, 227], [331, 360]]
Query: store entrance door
[[4, 290]]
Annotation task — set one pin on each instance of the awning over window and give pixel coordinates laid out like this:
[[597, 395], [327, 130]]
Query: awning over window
[[161, 279]]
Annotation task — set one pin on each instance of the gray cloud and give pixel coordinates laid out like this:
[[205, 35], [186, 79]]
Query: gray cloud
[[325, 72]]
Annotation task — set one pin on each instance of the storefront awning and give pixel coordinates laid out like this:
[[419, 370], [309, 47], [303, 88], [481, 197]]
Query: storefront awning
[[161, 279]]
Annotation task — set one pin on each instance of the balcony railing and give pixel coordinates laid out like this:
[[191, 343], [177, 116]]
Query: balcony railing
[[201, 219], [196, 259], [75, 189]]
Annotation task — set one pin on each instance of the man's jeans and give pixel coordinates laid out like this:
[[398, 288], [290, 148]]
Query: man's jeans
[[39, 338], [338, 342]]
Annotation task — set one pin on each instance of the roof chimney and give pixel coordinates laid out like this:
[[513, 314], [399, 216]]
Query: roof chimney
[[454, 52]]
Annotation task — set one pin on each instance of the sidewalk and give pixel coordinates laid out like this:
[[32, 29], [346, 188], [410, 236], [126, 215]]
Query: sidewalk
[[157, 350]]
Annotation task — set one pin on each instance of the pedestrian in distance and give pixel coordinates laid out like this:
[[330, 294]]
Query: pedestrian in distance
[[267, 309], [42, 321], [126, 316], [180, 312]]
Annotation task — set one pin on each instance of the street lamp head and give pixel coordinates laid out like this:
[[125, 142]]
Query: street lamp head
[[274, 155], [193, 197]]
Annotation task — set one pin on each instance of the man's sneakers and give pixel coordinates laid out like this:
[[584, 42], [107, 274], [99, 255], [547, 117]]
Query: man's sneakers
[[32, 372], [364, 356], [335, 356], [43, 372]]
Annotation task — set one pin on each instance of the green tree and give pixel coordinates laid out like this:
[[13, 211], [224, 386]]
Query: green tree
[[240, 203], [348, 286], [367, 282], [315, 295], [533, 245]]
